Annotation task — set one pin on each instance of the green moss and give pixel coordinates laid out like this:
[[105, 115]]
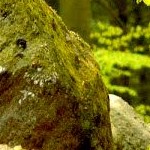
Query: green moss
[[50, 85], [43, 51]]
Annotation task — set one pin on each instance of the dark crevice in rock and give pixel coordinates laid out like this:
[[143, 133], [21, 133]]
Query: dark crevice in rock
[[97, 120], [85, 139], [19, 55], [33, 142], [21, 43], [5, 13], [11, 85], [5, 82], [54, 26]]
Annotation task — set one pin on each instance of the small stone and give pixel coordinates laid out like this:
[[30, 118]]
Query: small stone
[[39, 69], [2, 69], [36, 82], [68, 38], [41, 83], [85, 108], [20, 101]]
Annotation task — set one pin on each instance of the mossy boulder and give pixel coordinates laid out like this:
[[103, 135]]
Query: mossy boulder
[[51, 93]]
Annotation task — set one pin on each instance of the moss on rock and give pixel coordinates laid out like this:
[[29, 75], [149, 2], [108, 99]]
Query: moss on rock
[[51, 93]]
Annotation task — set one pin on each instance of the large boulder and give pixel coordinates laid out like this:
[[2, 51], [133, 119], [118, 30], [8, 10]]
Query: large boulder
[[51, 93], [129, 130]]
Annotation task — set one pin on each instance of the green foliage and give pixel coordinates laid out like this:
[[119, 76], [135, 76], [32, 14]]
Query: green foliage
[[113, 38], [122, 65], [144, 110], [147, 2], [114, 64], [121, 72]]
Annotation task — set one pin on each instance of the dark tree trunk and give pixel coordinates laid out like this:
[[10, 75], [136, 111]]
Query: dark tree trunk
[[77, 15]]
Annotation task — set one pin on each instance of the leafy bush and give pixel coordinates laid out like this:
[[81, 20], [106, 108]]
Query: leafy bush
[[144, 110], [125, 71], [127, 75], [137, 39]]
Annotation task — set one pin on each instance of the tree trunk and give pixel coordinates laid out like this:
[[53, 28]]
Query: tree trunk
[[77, 16], [51, 94]]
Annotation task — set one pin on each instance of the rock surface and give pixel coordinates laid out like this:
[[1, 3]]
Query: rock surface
[[129, 130], [51, 93], [6, 147]]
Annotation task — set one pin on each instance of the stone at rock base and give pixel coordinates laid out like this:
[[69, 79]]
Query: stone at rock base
[[6, 147], [129, 130]]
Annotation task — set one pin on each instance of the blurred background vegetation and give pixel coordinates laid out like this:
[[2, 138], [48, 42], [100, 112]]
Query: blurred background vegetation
[[119, 33]]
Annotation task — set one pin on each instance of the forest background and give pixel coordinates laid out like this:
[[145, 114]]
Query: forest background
[[119, 33]]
